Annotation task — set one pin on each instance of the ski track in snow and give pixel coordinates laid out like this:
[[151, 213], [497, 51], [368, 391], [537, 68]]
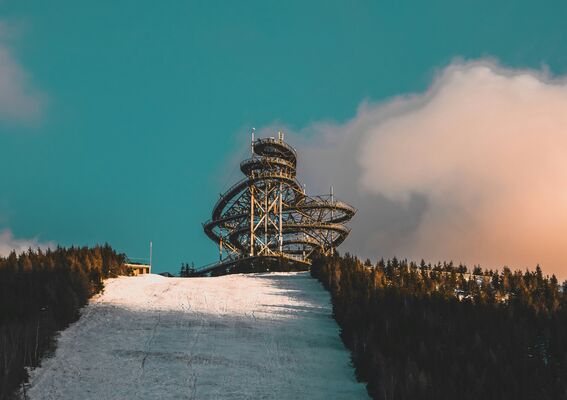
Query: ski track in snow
[[256, 336]]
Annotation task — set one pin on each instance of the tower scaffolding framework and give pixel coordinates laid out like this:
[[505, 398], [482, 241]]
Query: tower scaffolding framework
[[268, 216]]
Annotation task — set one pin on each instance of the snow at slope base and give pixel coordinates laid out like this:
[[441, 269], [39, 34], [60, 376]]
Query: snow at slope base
[[261, 336]]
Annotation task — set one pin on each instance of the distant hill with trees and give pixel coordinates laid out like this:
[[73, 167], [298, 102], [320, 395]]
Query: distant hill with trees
[[422, 331], [40, 294]]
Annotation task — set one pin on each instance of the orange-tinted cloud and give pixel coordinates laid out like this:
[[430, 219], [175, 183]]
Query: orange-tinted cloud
[[473, 170]]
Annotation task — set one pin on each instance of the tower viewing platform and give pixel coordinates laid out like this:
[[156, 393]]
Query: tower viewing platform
[[267, 219]]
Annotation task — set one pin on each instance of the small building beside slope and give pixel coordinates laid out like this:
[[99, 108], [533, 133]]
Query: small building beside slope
[[138, 268]]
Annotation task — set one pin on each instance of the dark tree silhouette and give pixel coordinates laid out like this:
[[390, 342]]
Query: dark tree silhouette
[[439, 332], [41, 293]]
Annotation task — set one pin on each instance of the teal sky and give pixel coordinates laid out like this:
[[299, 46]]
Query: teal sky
[[143, 104]]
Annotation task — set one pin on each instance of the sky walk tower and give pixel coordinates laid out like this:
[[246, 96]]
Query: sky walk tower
[[268, 217]]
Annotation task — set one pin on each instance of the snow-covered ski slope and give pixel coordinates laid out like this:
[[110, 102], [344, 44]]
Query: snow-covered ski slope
[[261, 336]]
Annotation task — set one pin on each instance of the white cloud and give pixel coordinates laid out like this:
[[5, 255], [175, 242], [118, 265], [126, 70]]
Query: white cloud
[[8, 243], [19, 100], [473, 170]]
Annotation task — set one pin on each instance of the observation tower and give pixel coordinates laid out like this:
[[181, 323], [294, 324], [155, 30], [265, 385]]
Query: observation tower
[[267, 218]]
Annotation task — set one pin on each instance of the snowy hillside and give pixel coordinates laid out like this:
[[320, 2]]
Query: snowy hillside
[[264, 336]]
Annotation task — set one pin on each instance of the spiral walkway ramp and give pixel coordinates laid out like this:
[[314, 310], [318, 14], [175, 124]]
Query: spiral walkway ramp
[[268, 218]]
